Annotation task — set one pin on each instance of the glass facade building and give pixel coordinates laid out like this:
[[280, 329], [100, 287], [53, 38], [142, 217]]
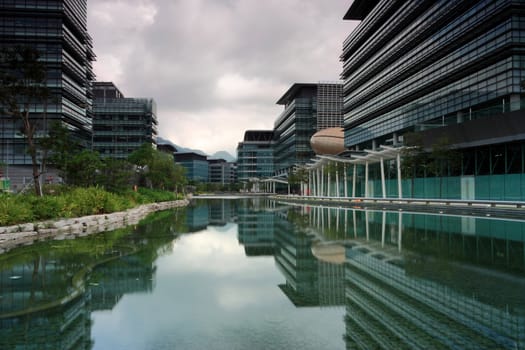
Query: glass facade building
[[255, 155], [58, 30], [196, 165], [448, 70], [308, 108], [121, 125], [221, 171]]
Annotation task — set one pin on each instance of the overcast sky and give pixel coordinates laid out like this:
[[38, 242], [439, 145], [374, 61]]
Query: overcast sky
[[216, 67]]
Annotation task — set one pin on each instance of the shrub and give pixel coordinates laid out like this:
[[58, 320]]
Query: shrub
[[66, 202], [47, 207], [13, 211]]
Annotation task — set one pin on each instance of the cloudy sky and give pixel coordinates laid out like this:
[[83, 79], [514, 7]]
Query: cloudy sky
[[216, 67]]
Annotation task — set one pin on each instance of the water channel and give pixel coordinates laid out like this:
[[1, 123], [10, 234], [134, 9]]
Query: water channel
[[257, 274]]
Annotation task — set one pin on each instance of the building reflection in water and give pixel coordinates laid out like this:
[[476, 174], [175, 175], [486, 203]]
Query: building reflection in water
[[35, 276], [426, 281], [405, 280]]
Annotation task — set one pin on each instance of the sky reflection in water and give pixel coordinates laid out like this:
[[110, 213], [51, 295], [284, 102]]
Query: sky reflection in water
[[208, 294]]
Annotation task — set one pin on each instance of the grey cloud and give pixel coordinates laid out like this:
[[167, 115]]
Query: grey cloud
[[179, 54]]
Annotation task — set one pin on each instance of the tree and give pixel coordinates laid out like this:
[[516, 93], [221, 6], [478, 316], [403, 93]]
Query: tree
[[116, 174], [156, 169], [84, 169], [22, 90], [60, 148]]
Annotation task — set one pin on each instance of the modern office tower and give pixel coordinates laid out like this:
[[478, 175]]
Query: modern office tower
[[121, 124], [221, 171], [307, 108], [444, 69], [58, 30], [255, 155], [196, 165]]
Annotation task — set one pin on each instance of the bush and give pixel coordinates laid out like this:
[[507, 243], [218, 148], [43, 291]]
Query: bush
[[67, 202], [14, 211], [47, 207]]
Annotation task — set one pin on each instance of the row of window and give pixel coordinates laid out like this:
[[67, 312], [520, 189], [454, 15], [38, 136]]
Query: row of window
[[441, 102]]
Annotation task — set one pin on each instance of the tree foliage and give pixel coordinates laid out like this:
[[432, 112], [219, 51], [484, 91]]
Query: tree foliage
[[156, 169]]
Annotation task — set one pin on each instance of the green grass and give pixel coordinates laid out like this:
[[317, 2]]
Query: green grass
[[68, 202]]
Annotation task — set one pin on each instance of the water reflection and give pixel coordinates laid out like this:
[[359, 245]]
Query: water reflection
[[400, 279], [423, 281], [49, 290]]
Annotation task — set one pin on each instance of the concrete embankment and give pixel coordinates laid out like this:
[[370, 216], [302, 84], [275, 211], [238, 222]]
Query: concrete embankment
[[25, 234]]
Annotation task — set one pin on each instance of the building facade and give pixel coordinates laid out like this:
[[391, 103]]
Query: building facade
[[221, 171], [121, 125], [308, 108], [196, 165], [58, 30], [255, 155], [451, 71]]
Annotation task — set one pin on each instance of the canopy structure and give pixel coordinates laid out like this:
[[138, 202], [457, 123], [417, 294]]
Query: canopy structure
[[366, 157]]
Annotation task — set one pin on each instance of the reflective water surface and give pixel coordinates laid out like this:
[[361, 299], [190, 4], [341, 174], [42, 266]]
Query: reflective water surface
[[252, 273]]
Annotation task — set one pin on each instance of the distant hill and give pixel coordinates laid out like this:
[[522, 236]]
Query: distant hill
[[161, 140], [217, 155], [223, 155]]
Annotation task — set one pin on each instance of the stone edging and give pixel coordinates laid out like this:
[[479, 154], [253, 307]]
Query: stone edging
[[25, 234]]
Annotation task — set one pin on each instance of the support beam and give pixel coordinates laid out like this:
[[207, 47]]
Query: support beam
[[345, 179], [399, 184], [354, 180], [383, 185], [337, 192], [366, 180]]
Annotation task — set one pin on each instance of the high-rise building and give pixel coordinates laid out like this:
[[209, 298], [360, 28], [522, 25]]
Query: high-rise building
[[255, 155], [449, 70], [121, 124], [307, 108], [58, 30]]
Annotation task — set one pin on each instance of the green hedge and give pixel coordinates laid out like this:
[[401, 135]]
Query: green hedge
[[67, 202]]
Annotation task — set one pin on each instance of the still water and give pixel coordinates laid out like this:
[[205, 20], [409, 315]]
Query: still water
[[256, 274]]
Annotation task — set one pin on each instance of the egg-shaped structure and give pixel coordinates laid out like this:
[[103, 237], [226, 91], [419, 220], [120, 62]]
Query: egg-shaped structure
[[328, 141]]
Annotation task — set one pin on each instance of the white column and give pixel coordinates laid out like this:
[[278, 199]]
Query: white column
[[328, 184], [310, 184], [383, 229], [354, 180], [337, 183], [366, 179], [399, 231], [322, 180], [354, 217], [383, 185], [318, 183], [345, 179], [399, 186], [367, 226]]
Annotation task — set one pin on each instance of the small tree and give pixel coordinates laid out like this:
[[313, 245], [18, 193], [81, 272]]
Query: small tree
[[23, 86]]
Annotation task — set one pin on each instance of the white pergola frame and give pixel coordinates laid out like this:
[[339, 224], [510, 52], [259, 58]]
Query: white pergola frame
[[368, 157]]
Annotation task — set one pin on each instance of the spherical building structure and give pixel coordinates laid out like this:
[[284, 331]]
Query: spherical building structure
[[328, 141]]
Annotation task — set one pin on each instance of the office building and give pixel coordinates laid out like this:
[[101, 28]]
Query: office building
[[120, 124], [58, 30], [308, 108], [196, 165], [255, 155], [451, 71], [221, 171]]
